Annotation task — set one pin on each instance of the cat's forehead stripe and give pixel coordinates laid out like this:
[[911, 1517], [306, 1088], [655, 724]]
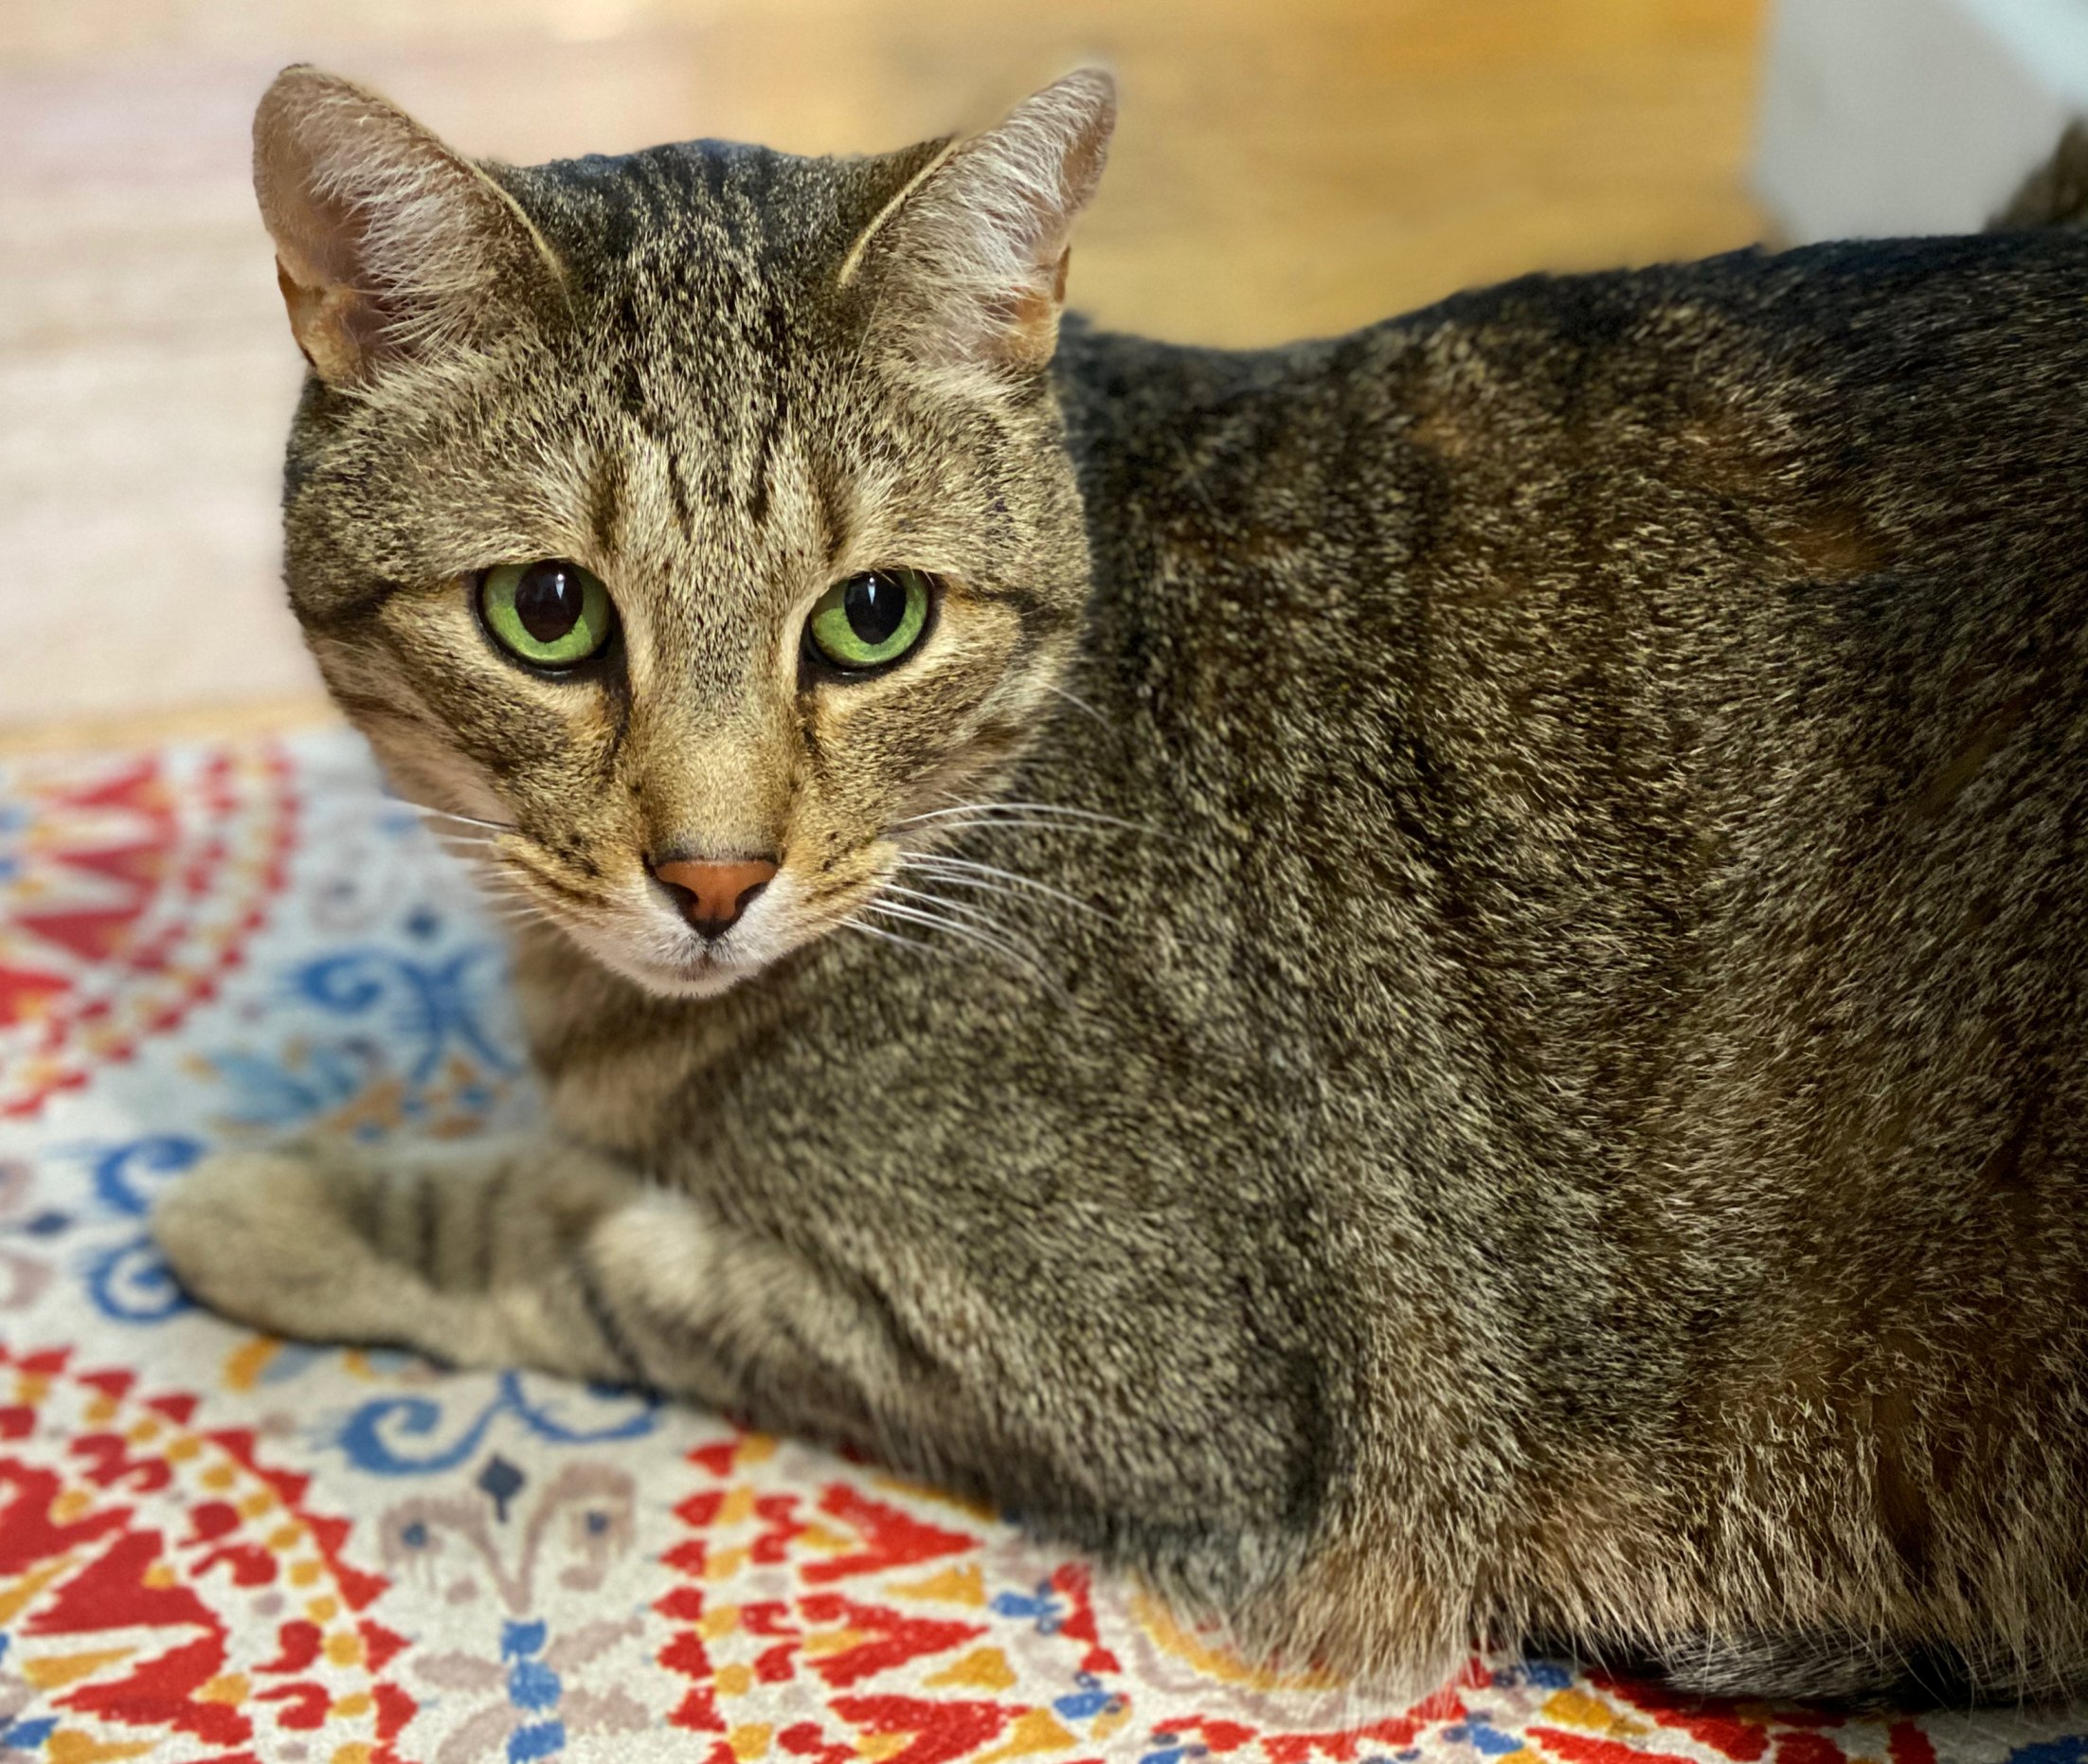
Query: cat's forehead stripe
[[702, 287]]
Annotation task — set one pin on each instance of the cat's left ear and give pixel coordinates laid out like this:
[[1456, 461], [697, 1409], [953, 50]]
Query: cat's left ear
[[966, 263]]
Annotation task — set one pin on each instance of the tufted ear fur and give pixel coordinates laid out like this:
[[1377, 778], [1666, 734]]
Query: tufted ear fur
[[388, 246], [968, 261]]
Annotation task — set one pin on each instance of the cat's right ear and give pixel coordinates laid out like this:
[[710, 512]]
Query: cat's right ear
[[389, 246], [966, 261]]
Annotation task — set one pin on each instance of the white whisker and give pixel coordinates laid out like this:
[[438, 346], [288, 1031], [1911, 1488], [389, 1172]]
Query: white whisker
[[894, 937], [977, 885], [510, 908], [1079, 704], [1077, 814], [969, 932], [960, 927], [1043, 811], [902, 831], [956, 870], [446, 814], [972, 914]]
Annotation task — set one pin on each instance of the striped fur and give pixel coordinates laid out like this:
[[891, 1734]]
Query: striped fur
[[1496, 1048]]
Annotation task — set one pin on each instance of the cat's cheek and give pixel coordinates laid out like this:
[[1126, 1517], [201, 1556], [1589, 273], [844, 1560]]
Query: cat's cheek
[[423, 767]]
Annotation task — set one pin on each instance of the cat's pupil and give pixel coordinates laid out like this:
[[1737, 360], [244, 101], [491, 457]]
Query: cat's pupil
[[549, 599], [876, 606]]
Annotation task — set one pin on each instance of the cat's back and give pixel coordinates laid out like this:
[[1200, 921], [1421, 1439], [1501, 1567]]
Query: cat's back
[[1950, 368], [1656, 703], [1563, 559]]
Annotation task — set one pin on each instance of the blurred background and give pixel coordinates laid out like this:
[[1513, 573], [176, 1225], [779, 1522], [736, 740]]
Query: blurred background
[[1281, 170]]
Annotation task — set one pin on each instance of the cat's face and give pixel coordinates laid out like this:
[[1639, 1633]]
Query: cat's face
[[698, 524]]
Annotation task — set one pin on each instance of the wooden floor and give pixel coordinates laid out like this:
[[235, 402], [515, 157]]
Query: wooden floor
[[1282, 169]]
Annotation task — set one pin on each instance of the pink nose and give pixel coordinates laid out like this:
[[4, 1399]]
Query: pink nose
[[713, 895]]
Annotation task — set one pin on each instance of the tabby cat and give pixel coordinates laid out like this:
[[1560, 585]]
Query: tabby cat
[[1426, 988]]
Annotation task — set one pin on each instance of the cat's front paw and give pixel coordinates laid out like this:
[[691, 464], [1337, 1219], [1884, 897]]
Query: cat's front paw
[[262, 1237]]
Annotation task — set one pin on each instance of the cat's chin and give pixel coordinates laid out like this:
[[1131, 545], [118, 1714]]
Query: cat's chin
[[703, 983], [699, 976], [703, 978]]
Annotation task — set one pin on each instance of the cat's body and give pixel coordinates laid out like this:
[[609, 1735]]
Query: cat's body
[[1532, 1085]]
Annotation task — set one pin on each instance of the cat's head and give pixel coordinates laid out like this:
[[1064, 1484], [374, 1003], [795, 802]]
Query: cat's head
[[694, 522]]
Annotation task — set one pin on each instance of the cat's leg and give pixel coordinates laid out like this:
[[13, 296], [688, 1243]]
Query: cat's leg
[[480, 1256], [537, 1252], [548, 1253]]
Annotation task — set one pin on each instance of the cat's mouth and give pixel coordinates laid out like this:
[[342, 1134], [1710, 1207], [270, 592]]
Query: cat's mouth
[[691, 964], [641, 934], [707, 968], [690, 971]]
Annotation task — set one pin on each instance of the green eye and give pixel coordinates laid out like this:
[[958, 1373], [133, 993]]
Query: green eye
[[550, 613], [869, 621]]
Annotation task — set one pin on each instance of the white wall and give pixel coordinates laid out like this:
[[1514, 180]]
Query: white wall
[[1885, 116]]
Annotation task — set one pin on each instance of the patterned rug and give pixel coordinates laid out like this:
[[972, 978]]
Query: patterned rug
[[215, 1545]]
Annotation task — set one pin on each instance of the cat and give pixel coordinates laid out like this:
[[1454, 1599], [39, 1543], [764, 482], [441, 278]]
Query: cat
[[1425, 987], [2056, 193]]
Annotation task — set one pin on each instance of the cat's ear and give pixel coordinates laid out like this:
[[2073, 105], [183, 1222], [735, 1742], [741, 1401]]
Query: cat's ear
[[388, 246], [966, 262]]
